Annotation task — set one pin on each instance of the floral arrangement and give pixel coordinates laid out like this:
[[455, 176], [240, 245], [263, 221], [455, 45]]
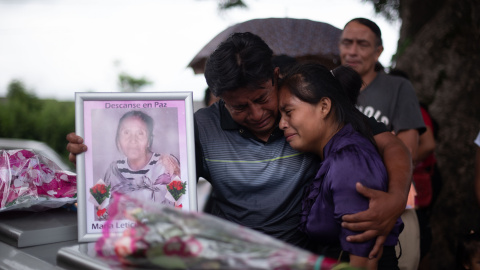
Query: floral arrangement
[[167, 238], [33, 182], [100, 192], [100, 198], [177, 188]]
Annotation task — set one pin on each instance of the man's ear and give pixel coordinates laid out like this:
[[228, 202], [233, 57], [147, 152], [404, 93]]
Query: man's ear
[[276, 76], [378, 51]]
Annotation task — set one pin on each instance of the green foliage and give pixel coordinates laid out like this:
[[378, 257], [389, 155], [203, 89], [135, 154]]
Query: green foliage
[[401, 49], [388, 8], [24, 116], [229, 4], [130, 84]]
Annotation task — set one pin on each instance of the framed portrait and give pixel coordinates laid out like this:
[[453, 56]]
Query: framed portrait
[[139, 144]]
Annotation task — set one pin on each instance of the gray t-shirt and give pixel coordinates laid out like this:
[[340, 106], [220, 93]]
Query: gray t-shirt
[[392, 100]]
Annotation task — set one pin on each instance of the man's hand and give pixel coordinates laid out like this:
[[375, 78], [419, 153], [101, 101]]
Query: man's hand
[[378, 220], [75, 146]]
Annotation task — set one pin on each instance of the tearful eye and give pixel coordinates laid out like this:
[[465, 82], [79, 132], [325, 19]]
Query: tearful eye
[[263, 100]]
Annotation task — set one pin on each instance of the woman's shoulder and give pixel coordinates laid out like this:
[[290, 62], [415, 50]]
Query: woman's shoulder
[[352, 152], [349, 143]]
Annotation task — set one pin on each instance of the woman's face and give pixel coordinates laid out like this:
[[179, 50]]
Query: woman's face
[[133, 138], [302, 123]]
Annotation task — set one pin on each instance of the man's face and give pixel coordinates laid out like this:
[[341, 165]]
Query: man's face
[[256, 109], [358, 48]]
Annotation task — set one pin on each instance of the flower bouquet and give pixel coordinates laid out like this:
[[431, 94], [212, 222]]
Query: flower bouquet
[[176, 189], [100, 197], [167, 238], [30, 181]]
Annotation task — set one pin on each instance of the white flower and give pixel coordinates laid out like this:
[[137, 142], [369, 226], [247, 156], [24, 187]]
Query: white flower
[[123, 247]]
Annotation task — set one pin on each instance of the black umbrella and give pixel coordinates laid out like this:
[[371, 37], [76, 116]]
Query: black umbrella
[[299, 38]]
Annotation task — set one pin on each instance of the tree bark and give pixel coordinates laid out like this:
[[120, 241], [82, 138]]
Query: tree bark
[[439, 48]]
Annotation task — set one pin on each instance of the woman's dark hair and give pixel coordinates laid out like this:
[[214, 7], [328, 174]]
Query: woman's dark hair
[[350, 81], [311, 82], [147, 119], [244, 60]]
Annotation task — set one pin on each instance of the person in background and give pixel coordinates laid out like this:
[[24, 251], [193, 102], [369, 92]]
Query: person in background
[[391, 100], [257, 178], [318, 116], [468, 248], [425, 176]]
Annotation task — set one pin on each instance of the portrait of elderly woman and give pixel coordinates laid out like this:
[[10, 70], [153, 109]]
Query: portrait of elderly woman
[[138, 169]]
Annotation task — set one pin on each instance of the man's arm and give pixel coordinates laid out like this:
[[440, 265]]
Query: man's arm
[[384, 207], [75, 146], [410, 138]]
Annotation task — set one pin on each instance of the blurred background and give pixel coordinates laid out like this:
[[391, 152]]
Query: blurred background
[[51, 49], [59, 47]]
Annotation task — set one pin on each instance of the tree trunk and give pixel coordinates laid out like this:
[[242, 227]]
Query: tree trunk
[[439, 48]]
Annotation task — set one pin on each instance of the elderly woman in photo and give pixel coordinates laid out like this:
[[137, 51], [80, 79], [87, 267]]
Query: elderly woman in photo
[[141, 173]]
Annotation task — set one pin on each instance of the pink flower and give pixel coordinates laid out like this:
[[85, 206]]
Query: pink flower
[[58, 188], [67, 177]]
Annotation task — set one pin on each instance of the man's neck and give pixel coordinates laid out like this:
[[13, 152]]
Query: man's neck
[[264, 136], [368, 78]]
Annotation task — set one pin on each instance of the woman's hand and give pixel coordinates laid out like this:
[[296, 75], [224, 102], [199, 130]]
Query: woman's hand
[[75, 146]]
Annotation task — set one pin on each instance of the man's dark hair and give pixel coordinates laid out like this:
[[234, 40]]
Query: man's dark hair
[[284, 62], [207, 97], [243, 60], [372, 26]]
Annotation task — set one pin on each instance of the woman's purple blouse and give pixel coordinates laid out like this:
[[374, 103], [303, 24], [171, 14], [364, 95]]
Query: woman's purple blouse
[[348, 158]]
